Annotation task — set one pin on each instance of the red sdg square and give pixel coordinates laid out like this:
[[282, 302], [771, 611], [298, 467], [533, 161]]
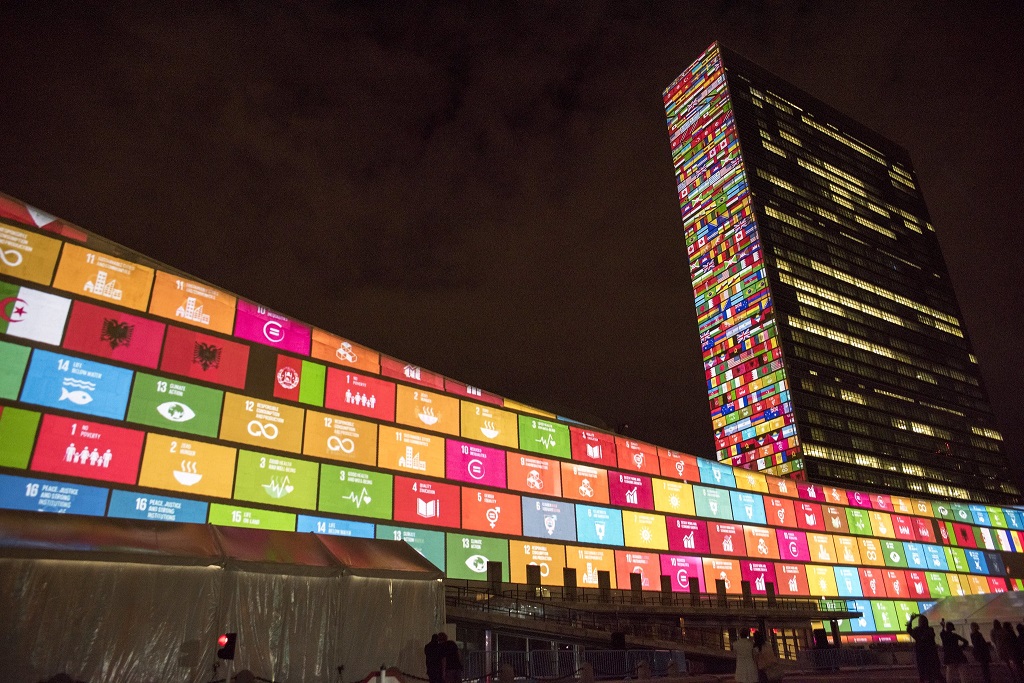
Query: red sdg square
[[427, 502], [90, 450]]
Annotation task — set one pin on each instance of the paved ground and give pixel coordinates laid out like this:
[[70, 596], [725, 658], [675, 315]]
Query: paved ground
[[891, 674]]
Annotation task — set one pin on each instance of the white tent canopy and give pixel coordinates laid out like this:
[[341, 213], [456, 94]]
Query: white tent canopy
[[105, 599], [962, 610]]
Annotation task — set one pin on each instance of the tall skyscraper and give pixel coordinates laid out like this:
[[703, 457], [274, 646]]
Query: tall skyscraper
[[833, 345]]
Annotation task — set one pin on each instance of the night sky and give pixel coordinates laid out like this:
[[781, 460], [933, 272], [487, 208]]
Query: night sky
[[485, 189]]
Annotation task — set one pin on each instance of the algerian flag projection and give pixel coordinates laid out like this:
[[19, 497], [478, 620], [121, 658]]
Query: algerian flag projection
[[31, 314]]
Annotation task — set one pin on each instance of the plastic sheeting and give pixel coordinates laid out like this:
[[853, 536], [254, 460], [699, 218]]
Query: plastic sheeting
[[101, 620], [983, 609]]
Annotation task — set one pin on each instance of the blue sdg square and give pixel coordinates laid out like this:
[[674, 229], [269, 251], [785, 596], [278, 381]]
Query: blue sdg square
[[82, 386]]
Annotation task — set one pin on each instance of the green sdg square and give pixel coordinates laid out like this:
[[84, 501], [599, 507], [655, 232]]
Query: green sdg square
[[17, 435], [904, 610], [468, 556], [13, 359], [886, 616], [250, 518], [938, 587], [962, 513], [311, 388], [429, 544], [276, 480], [942, 510], [892, 552], [996, 517], [713, 503], [175, 405], [860, 524], [544, 437], [956, 558], [349, 491]]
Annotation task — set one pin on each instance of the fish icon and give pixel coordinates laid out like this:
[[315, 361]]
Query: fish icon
[[78, 396]]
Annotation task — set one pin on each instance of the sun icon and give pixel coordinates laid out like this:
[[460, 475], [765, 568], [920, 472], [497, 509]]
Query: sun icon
[[673, 501], [645, 535]]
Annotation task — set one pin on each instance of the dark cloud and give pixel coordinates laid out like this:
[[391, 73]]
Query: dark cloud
[[485, 188]]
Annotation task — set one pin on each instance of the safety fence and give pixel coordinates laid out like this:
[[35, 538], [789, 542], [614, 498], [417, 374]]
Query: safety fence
[[564, 664], [835, 657]]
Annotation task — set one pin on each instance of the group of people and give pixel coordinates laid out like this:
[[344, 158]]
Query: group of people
[[1008, 646], [444, 664], [756, 662]]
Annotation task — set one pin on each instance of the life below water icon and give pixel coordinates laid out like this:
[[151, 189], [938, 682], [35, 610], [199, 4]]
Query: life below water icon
[[79, 393]]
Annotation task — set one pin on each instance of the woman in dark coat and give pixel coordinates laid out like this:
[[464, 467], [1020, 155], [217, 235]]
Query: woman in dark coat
[[929, 670], [982, 652], [953, 653]]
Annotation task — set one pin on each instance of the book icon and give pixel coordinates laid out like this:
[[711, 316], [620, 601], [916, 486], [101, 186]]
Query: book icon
[[427, 509]]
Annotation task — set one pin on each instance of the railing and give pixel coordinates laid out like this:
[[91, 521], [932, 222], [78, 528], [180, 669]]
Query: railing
[[833, 658], [559, 615], [604, 596], [553, 664]]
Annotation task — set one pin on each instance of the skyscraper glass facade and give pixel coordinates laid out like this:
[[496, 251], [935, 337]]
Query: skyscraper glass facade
[[833, 344]]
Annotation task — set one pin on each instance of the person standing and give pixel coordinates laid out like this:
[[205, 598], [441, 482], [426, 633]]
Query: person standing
[[982, 652], [451, 661], [432, 654], [1018, 651], [1012, 650], [953, 654], [1004, 652], [929, 670], [746, 667]]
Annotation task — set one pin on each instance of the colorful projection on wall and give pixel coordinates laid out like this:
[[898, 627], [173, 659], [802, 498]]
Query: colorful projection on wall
[[144, 399], [746, 382]]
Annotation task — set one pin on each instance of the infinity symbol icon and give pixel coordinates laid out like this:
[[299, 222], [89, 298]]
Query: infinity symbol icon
[[257, 428], [11, 257], [346, 445]]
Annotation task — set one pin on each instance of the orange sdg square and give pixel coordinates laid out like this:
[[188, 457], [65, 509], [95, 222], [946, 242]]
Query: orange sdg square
[[821, 547], [491, 512], [27, 255], [192, 303], [489, 424], [99, 276], [550, 557], [584, 483], [334, 349], [340, 438], [411, 452], [847, 550], [761, 543], [427, 410], [588, 562], [722, 570], [261, 423], [533, 475]]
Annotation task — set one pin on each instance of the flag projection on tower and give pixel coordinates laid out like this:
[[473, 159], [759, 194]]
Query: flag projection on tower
[[746, 382]]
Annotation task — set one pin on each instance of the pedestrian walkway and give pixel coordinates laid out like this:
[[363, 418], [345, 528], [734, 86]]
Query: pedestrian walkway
[[888, 674]]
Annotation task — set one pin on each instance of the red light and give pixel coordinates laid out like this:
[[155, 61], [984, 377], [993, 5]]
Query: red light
[[222, 640]]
